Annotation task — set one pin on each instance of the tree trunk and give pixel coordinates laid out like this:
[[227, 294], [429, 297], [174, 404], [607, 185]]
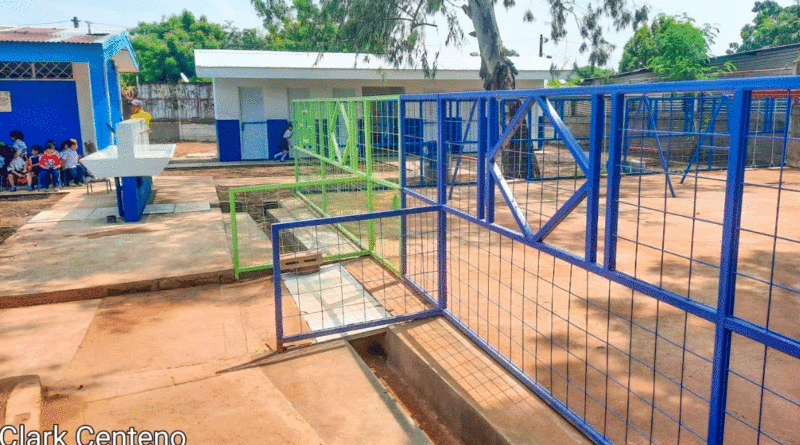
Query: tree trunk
[[497, 71]]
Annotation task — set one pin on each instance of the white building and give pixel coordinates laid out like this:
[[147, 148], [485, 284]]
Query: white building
[[253, 90]]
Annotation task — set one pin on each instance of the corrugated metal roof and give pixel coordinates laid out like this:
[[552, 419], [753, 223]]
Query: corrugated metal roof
[[53, 35], [205, 58]]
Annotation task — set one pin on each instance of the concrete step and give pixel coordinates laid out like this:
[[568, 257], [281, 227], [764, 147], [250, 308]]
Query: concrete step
[[21, 401], [255, 247], [325, 239], [479, 401], [336, 393]]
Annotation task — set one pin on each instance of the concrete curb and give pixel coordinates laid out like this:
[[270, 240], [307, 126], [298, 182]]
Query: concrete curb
[[114, 289], [21, 401], [462, 416]]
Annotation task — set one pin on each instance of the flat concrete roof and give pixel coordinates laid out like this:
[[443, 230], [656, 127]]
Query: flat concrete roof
[[303, 65]]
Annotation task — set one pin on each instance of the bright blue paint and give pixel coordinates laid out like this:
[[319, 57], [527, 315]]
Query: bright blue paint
[[42, 110], [135, 193], [563, 212], [597, 133], [737, 158], [275, 128], [96, 55], [229, 140], [615, 139]]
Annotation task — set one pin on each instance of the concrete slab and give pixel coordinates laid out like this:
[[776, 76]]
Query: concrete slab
[[331, 298], [154, 209], [42, 340], [94, 258], [183, 207], [325, 239], [476, 397], [340, 398]]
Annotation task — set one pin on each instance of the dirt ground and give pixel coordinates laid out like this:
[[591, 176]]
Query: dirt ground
[[19, 208], [591, 342], [187, 149]]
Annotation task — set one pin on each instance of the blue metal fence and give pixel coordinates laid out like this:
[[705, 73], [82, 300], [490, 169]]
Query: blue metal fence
[[607, 282], [642, 278]]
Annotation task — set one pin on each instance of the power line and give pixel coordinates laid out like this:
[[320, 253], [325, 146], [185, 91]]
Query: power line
[[39, 24]]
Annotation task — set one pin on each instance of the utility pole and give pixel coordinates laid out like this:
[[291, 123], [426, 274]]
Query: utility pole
[[75, 21], [541, 44]]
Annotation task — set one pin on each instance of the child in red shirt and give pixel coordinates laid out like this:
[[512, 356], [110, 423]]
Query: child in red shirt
[[50, 164]]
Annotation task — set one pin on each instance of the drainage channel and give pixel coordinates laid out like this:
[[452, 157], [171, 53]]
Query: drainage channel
[[372, 352]]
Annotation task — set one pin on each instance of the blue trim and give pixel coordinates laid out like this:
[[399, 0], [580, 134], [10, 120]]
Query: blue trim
[[513, 205], [403, 199], [737, 158], [229, 140], [493, 123]]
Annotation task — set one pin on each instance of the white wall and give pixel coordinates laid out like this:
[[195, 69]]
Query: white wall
[[80, 72], [226, 91]]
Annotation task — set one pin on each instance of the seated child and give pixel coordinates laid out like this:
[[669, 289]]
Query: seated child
[[19, 143], [73, 171], [33, 161], [50, 165], [16, 170]]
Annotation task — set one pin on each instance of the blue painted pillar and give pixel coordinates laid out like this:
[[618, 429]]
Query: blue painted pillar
[[593, 175], [97, 81], [615, 148], [136, 192], [739, 119], [441, 198]]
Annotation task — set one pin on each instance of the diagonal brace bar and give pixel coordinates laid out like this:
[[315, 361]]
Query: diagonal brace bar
[[664, 165], [562, 213], [511, 128], [569, 140], [513, 205]]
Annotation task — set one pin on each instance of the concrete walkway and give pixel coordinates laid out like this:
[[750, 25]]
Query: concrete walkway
[[198, 360], [71, 252]]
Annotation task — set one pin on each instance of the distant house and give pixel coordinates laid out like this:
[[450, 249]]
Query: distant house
[[62, 83], [775, 61], [253, 90]]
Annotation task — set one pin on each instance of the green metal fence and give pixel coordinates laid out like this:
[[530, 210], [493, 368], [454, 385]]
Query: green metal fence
[[346, 161]]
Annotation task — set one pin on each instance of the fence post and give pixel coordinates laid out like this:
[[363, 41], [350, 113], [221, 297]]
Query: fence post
[[481, 122], [276, 281], [441, 198], [367, 111], [593, 175], [739, 119], [401, 147], [615, 138], [493, 122]]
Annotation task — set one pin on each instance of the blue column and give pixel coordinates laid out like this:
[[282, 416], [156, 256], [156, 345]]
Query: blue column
[[136, 192], [615, 138], [593, 175], [99, 103], [739, 119]]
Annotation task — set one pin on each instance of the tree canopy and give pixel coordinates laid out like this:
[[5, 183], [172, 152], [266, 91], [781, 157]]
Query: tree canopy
[[674, 48], [395, 29], [773, 26], [165, 49], [578, 75]]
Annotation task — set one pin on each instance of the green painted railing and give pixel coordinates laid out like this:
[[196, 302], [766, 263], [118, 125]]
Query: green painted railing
[[335, 144]]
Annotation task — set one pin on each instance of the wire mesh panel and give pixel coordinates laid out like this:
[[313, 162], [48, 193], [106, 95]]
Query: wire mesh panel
[[352, 289], [626, 251]]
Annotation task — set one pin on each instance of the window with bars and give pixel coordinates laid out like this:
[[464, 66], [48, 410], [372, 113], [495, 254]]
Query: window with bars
[[35, 70]]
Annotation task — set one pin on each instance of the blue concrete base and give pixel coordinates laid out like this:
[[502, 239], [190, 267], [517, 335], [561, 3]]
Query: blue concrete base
[[132, 195]]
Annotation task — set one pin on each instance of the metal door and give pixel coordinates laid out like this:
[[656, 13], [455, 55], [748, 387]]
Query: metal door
[[254, 125]]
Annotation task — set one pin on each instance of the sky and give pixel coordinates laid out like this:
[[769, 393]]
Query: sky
[[729, 17]]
